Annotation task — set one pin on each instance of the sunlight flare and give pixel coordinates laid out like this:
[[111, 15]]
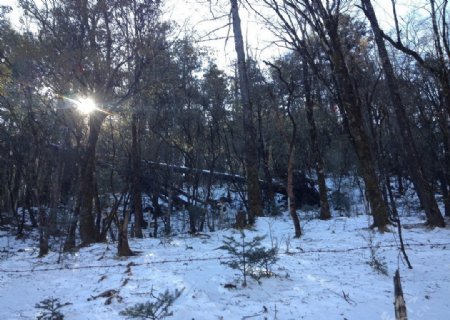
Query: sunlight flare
[[86, 105]]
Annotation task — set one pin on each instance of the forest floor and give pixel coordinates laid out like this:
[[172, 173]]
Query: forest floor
[[329, 273]]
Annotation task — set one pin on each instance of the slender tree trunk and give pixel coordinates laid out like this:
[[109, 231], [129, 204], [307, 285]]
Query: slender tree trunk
[[98, 213], [251, 151], [55, 196], [70, 242], [318, 161], [43, 231], [445, 175], [136, 179], [290, 169], [290, 191], [409, 150], [156, 213], [268, 188], [87, 223]]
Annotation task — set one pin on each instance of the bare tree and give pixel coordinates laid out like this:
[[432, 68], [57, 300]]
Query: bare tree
[[251, 150], [437, 63], [323, 21], [410, 154]]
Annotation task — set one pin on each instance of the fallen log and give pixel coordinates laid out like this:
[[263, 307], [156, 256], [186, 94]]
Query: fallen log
[[304, 190]]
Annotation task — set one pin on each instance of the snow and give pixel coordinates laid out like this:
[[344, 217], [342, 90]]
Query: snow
[[323, 275]]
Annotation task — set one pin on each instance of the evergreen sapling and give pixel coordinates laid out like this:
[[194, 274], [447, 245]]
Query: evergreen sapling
[[153, 310], [250, 257]]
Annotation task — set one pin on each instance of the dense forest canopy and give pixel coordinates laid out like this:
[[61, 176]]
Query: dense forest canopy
[[110, 115]]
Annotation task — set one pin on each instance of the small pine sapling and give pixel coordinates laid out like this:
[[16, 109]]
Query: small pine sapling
[[156, 309], [249, 257], [50, 309]]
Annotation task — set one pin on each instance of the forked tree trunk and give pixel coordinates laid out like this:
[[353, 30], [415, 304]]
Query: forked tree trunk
[[318, 161], [409, 150], [251, 151]]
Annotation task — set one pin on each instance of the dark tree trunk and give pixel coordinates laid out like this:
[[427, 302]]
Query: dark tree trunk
[[290, 170], [350, 105], [55, 196], [251, 151], [123, 248], [156, 213], [70, 242], [268, 188], [290, 191], [87, 224], [136, 178], [444, 177], [409, 150], [318, 161], [98, 213], [43, 232]]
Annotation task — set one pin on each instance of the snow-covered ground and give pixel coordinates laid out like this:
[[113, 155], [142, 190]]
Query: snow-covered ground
[[324, 275]]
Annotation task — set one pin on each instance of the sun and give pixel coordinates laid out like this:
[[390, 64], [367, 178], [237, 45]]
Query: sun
[[86, 105]]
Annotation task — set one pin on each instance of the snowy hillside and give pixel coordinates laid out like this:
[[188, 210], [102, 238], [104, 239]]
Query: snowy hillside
[[327, 274]]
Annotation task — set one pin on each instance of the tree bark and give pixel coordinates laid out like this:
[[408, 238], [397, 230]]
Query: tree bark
[[350, 105], [318, 161], [43, 231], [86, 218], [268, 189], [251, 150], [136, 179], [409, 149], [290, 190], [123, 248]]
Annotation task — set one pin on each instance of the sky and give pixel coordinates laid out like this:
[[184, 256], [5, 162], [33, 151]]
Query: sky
[[208, 19]]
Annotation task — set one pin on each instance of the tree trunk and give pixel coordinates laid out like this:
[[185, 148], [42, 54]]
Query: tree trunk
[[251, 151], [409, 150], [156, 213], [136, 179], [350, 105], [268, 189], [43, 231], [123, 248], [87, 223], [290, 191], [318, 161], [444, 177], [290, 170]]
